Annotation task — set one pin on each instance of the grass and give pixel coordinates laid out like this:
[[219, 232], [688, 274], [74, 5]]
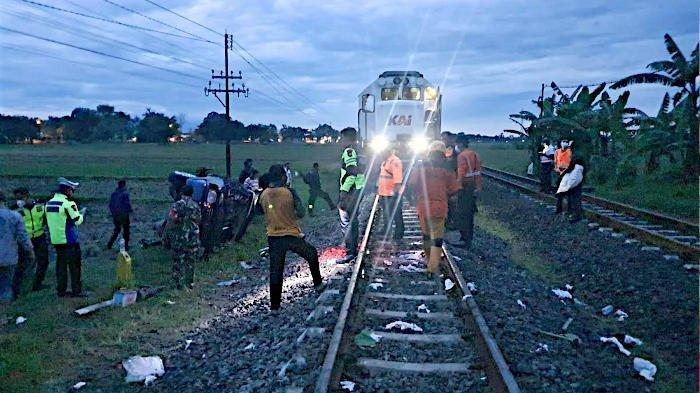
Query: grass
[[661, 191], [55, 349]]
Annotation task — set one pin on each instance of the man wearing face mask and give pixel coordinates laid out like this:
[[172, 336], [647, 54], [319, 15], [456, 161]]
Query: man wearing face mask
[[34, 218], [562, 160]]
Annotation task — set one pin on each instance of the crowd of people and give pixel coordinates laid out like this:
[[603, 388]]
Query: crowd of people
[[444, 186]]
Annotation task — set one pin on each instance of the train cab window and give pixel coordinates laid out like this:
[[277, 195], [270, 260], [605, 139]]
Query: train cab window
[[390, 93], [411, 93]]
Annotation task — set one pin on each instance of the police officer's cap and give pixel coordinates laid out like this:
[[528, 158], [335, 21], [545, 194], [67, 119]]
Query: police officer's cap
[[63, 182]]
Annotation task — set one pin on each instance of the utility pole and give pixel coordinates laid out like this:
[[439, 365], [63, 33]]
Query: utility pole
[[227, 75]]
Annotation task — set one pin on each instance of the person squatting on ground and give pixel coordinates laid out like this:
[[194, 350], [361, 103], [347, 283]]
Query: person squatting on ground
[[12, 237], [120, 209], [313, 179], [34, 216], [282, 207], [182, 237], [546, 156], [571, 188], [432, 186], [562, 160], [389, 187], [63, 219], [352, 183], [469, 177]]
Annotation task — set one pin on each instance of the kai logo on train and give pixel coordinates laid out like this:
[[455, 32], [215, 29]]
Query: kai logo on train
[[400, 120]]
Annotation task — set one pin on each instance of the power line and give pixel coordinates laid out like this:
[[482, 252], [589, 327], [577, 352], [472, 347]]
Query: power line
[[98, 52], [183, 17], [114, 21]]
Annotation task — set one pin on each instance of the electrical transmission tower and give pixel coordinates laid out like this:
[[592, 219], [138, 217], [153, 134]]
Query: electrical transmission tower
[[229, 88]]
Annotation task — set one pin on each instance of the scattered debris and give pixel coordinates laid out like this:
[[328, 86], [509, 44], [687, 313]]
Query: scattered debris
[[672, 258], [169, 302], [632, 340], [471, 287], [149, 380], [572, 338], [621, 315], [78, 385], [607, 310], [410, 269], [227, 283], [465, 297], [376, 285], [123, 298], [347, 385], [249, 347], [521, 304], [424, 308], [403, 326], [449, 284], [616, 342], [138, 368], [645, 368], [561, 294], [566, 324], [690, 266], [187, 344], [367, 339], [456, 258], [569, 287], [388, 262], [542, 348], [20, 320], [631, 241], [246, 265], [651, 248], [94, 307], [264, 252]]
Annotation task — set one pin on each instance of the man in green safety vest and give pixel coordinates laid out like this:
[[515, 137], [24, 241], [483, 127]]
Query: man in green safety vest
[[352, 182], [63, 218], [34, 217]]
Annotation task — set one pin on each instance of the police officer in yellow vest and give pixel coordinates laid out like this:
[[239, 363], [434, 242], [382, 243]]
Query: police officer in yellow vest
[[63, 218], [352, 183], [34, 216]]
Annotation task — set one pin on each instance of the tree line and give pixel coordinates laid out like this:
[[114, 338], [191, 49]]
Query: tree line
[[612, 136], [103, 124]]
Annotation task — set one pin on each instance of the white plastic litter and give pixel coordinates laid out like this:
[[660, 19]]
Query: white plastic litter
[[79, 385], [542, 348], [388, 262], [138, 368], [424, 308], [561, 294], [449, 284], [169, 302], [521, 304], [403, 326], [632, 340], [690, 266], [471, 287], [20, 320], [617, 342], [246, 266], [227, 283], [621, 315], [465, 297], [456, 258], [569, 287], [410, 269], [376, 285], [376, 337], [347, 385], [187, 344], [645, 368], [607, 310], [249, 347]]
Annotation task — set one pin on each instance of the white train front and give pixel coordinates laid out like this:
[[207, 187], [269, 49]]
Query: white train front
[[399, 106]]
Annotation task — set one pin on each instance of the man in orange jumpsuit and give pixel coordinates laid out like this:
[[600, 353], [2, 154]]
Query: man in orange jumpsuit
[[389, 190], [562, 160], [469, 177]]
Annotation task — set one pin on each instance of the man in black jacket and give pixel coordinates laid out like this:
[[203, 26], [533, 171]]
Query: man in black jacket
[[313, 179], [120, 208]]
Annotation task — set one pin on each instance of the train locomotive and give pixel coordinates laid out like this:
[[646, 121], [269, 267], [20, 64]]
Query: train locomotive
[[400, 107]]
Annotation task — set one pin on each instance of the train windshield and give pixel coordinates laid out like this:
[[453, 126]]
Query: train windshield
[[390, 93], [411, 93]]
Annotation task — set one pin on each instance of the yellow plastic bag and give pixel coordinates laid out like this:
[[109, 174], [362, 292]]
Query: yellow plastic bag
[[125, 274]]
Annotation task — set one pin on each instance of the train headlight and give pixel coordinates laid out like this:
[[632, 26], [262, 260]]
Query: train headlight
[[419, 144], [379, 143], [430, 93]]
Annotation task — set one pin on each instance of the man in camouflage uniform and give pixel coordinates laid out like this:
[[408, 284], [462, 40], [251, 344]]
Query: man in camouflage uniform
[[182, 237]]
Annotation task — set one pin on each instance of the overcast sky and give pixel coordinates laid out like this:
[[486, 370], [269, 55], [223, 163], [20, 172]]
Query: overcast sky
[[489, 57]]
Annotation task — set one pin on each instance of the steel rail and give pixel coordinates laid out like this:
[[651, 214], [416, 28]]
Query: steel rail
[[687, 251], [324, 380]]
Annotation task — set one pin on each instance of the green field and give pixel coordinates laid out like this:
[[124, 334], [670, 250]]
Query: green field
[[54, 349], [662, 191]]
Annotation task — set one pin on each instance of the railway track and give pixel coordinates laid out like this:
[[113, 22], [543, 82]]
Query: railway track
[[449, 348], [676, 235]]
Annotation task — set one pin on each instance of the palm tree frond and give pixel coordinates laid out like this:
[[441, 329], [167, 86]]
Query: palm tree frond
[[665, 104], [676, 54], [666, 66], [678, 97], [649, 77], [597, 91]]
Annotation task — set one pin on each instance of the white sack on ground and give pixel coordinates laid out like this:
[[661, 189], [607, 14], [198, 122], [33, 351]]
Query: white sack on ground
[[645, 368], [138, 368], [571, 179]]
